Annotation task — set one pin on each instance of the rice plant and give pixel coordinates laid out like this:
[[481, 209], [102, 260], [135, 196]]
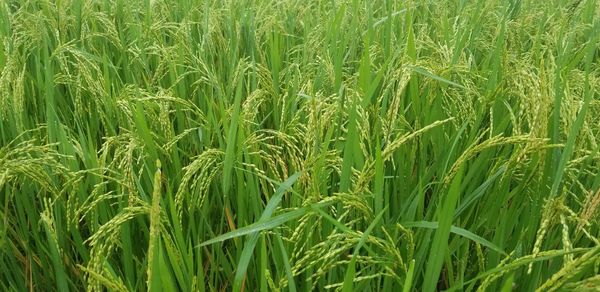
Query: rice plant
[[288, 145]]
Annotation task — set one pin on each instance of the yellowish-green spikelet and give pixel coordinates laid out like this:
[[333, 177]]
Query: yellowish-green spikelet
[[104, 241], [198, 178], [155, 224]]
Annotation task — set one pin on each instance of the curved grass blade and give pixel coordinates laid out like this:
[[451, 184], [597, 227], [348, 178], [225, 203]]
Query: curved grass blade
[[286, 264], [409, 277], [458, 231], [263, 224], [426, 73], [251, 243], [351, 271], [438, 248]]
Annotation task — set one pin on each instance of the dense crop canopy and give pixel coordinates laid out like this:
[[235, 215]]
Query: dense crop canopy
[[246, 145]]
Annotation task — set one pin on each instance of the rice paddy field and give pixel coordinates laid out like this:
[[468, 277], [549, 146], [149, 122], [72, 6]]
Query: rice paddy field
[[299, 145]]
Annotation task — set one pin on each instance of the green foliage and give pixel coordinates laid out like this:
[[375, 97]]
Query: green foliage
[[204, 145]]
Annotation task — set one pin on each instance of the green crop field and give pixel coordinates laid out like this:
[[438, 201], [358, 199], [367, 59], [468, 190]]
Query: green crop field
[[299, 145]]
